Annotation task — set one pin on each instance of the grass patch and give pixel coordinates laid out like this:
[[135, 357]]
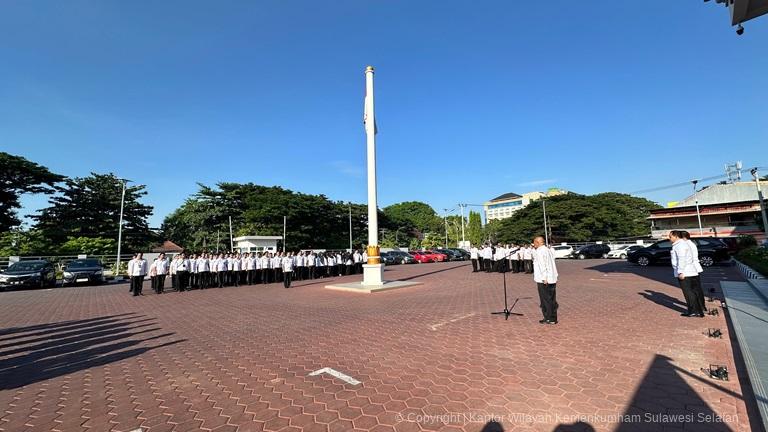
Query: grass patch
[[755, 257]]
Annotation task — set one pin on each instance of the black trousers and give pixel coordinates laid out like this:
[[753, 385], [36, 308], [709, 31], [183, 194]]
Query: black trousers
[[137, 283], [548, 300], [287, 276], [528, 264], [221, 276], [174, 280], [159, 283], [183, 277], [694, 301], [474, 265], [481, 261], [311, 272]]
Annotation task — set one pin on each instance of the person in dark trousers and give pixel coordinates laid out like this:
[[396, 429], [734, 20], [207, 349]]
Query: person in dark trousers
[[697, 282], [473, 255], [545, 276], [685, 272], [287, 264], [137, 269], [182, 272]]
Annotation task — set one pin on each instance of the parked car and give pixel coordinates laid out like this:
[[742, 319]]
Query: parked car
[[387, 259], [451, 254], [422, 257], [28, 274], [591, 251], [623, 251], [464, 254], [711, 250], [563, 251], [402, 257], [84, 271], [437, 256]]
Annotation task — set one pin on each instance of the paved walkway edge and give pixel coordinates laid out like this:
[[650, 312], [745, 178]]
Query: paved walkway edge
[[748, 312]]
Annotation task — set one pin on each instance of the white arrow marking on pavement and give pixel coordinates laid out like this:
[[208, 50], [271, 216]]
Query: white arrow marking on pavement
[[334, 373], [435, 326]]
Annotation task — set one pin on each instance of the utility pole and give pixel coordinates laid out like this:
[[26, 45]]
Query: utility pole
[[231, 243], [285, 225], [698, 213], [350, 227], [546, 233], [753, 171], [463, 240], [120, 229]]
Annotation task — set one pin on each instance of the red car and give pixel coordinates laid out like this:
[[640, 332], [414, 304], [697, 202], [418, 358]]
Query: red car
[[422, 257], [437, 256]]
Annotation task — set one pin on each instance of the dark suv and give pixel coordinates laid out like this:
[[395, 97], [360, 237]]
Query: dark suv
[[711, 250], [591, 251], [28, 274]]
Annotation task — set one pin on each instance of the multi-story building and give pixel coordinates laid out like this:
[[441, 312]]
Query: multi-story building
[[504, 206], [726, 210]]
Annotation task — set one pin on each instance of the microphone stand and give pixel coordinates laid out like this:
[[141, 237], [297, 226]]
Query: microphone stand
[[507, 309]]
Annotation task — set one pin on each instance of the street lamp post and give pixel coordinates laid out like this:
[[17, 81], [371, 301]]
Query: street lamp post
[[753, 171], [120, 228], [463, 240], [698, 213]]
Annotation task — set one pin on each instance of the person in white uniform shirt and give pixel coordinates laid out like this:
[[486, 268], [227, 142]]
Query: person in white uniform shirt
[[137, 269], [545, 276], [311, 263], [194, 276], [287, 265], [298, 264], [528, 259], [265, 269], [697, 282], [161, 269], [221, 270], [686, 273], [204, 271], [182, 272], [473, 253]]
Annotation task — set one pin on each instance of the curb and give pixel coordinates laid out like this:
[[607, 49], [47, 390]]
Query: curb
[[747, 270]]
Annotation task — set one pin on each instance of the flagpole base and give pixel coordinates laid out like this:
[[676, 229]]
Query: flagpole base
[[373, 274]]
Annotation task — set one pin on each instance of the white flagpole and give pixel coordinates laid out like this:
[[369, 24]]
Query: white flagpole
[[370, 131]]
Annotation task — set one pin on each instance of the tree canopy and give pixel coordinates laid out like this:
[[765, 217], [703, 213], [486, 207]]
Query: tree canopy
[[17, 177], [574, 217], [90, 207], [313, 221]]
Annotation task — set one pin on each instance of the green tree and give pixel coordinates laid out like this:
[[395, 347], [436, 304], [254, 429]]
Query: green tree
[[474, 228], [573, 217], [19, 242], [313, 221], [90, 207], [88, 245], [416, 214], [17, 177]]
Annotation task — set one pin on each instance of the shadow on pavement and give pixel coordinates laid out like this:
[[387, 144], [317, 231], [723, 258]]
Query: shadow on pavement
[[57, 349], [657, 273], [665, 300]]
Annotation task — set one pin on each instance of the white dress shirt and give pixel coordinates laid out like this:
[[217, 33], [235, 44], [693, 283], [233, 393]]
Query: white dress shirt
[[544, 268], [682, 259]]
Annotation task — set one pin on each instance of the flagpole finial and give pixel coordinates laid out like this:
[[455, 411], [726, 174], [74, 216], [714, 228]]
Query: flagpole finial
[[368, 69]]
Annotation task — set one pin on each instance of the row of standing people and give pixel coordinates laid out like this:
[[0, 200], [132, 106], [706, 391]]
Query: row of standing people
[[502, 258], [209, 270]]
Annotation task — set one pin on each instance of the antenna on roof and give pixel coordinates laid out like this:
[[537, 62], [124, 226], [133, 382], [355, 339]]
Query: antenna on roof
[[733, 172]]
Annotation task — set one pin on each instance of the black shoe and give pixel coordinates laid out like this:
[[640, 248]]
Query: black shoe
[[698, 315], [542, 321], [551, 322], [686, 314]]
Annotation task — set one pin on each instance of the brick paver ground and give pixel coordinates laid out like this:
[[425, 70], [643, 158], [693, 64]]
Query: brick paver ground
[[430, 357]]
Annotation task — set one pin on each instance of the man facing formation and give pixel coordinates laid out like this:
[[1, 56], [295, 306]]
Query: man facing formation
[[545, 276], [684, 267]]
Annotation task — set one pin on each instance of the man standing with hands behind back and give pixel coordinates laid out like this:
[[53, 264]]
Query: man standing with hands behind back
[[545, 276]]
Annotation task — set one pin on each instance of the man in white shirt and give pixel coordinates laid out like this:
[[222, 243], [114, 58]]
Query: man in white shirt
[[287, 266], [545, 276], [311, 262], [182, 272], [161, 269], [473, 257], [265, 268], [204, 270], [686, 273], [528, 259], [221, 270], [697, 282], [137, 269]]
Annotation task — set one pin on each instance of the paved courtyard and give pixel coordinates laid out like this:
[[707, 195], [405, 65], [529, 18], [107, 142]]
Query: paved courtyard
[[429, 357]]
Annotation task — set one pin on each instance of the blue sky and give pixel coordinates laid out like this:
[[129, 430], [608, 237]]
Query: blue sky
[[473, 99]]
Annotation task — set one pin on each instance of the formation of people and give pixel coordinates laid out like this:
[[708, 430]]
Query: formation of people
[[502, 258], [212, 270]]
